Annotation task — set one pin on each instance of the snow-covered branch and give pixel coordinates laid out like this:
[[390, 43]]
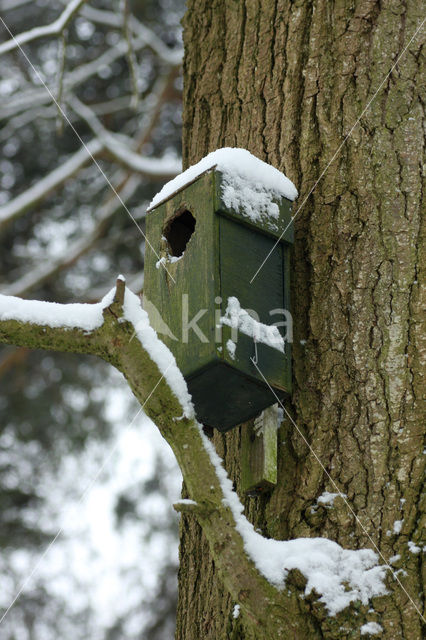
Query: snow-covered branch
[[120, 147], [254, 569], [53, 29], [31, 98]]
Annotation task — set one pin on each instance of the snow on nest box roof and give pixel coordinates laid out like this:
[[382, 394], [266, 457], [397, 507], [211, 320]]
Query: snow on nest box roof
[[240, 170]]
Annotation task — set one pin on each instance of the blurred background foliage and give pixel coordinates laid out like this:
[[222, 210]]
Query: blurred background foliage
[[64, 236]]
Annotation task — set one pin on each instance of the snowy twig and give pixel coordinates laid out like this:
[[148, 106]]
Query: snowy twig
[[125, 183], [37, 97], [110, 19], [48, 268], [159, 168], [53, 29]]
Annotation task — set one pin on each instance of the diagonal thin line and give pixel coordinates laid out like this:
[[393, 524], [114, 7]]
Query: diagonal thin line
[[336, 153], [83, 495], [64, 115], [341, 495]]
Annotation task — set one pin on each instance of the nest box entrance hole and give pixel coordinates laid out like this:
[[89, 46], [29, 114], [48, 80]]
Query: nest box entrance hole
[[178, 232]]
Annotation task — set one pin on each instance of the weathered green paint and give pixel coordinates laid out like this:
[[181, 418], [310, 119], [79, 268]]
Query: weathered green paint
[[259, 453], [219, 261]]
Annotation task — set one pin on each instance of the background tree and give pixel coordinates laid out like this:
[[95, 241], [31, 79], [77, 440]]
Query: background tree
[[64, 234], [288, 81]]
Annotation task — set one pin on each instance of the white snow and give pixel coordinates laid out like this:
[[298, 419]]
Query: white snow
[[413, 548], [157, 350], [231, 348], [340, 576], [236, 611], [171, 259], [397, 526], [328, 498], [51, 314], [185, 501], [89, 317], [240, 319], [249, 185], [373, 628]]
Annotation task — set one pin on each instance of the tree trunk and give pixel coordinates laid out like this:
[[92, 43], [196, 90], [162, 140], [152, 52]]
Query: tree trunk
[[288, 81]]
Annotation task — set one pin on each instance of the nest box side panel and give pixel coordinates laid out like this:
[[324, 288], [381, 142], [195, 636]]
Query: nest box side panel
[[185, 288], [242, 250]]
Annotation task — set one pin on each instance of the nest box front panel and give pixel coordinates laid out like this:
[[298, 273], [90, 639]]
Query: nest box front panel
[[183, 232]]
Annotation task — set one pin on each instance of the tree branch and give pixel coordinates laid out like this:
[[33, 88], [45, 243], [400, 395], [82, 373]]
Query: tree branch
[[125, 184], [36, 97], [42, 188], [53, 29], [120, 333], [111, 19], [160, 168]]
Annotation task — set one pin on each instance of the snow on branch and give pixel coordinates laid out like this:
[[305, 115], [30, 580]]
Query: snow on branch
[[86, 317], [53, 29], [36, 97], [109, 18], [42, 188], [122, 151], [339, 576], [36, 323]]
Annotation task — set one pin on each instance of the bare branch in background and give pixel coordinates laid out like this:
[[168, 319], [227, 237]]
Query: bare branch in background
[[42, 272], [53, 29], [125, 184], [7, 5], [61, 70], [131, 57], [120, 147], [111, 19], [42, 188], [37, 97]]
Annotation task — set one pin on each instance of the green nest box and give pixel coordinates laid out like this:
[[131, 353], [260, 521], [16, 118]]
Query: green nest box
[[207, 254]]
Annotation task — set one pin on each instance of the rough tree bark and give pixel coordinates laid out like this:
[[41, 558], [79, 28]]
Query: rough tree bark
[[287, 81]]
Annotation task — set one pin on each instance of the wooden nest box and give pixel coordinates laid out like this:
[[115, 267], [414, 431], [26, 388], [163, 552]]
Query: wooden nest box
[[207, 253]]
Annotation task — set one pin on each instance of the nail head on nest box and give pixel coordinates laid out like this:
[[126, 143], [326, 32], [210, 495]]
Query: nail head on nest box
[[208, 237]]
